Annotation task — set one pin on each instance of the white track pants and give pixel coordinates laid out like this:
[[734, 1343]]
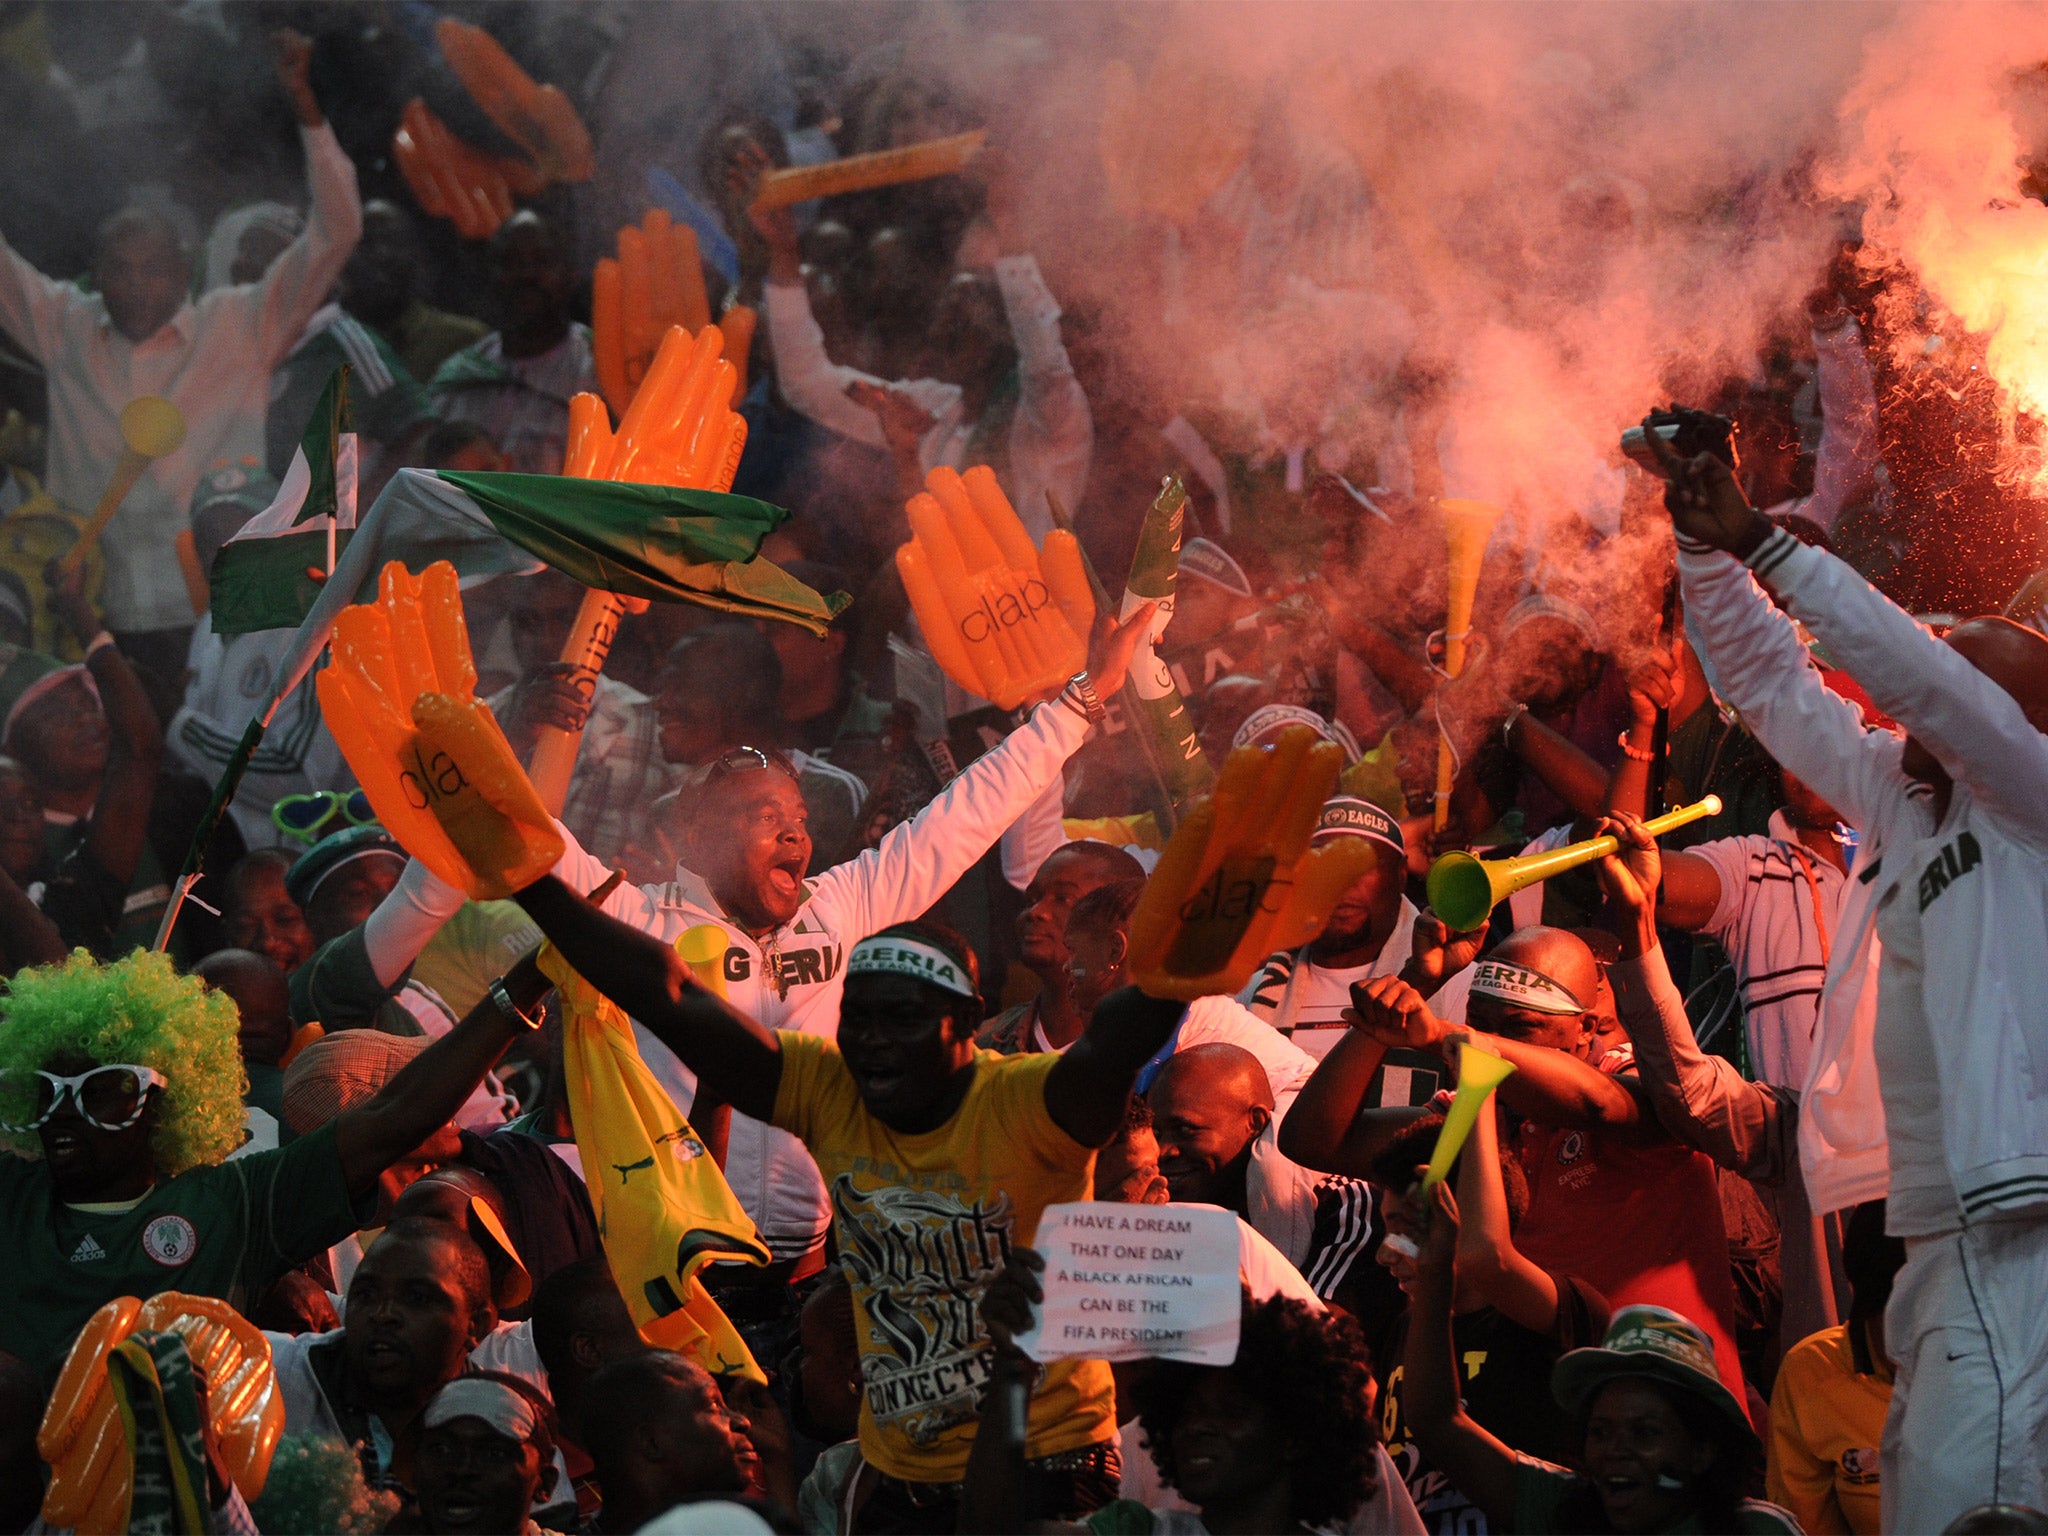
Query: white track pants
[[1968, 1327]]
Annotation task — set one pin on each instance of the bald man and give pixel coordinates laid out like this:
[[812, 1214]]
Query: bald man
[[1614, 1197], [1215, 1116], [1928, 1082]]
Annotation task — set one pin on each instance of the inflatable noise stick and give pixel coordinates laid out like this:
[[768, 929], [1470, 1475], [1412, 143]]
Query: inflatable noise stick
[[863, 173], [150, 428], [1479, 1073], [1467, 527], [584, 653], [1463, 889], [85, 1440]]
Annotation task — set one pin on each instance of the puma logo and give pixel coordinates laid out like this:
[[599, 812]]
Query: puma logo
[[626, 1170]]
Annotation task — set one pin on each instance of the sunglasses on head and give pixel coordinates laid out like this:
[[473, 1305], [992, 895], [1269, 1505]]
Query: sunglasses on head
[[111, 1097], [307, 817], [751, 760]]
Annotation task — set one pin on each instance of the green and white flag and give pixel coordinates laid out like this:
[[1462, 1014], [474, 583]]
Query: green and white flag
[[270, 573], [651, 541]]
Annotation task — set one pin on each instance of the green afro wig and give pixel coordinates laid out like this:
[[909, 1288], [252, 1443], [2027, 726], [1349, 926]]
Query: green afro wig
[[317, 1485], [137, 1010]]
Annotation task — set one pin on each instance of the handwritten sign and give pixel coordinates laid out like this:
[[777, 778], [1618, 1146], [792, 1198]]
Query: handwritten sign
[[1124, 1282]]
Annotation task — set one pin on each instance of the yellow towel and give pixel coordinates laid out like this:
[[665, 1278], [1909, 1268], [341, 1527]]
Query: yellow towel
[[663, 1207]]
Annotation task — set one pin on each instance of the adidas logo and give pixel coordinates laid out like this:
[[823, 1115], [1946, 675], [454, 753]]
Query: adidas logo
[[87, 1250]]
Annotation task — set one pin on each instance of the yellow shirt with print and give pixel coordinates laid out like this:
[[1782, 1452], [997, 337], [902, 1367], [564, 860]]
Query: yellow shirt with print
[[1827, 1423], [923, 1223]]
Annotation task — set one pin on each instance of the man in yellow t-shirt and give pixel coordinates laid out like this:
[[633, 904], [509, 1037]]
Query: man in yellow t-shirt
[[939, 1157], [1833, 1391]]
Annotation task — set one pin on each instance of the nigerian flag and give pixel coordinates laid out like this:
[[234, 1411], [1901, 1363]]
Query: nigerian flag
[[269, 573], [307, 556], [651, 541]]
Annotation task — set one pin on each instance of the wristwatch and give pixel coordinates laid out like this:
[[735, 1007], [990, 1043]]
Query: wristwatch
[[1083, 689], [501, 999]]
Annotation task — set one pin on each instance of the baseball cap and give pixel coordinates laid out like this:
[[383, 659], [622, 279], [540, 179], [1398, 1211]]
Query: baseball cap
[[365, 841], [1213, 563]]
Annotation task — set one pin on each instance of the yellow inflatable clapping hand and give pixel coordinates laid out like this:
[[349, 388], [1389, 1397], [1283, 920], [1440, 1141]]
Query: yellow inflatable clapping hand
[[1005, 619], [1238, 881], [399, 698]]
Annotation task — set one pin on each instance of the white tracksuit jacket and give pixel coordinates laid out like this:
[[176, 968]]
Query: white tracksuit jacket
[[1980, 876], [899, 879]]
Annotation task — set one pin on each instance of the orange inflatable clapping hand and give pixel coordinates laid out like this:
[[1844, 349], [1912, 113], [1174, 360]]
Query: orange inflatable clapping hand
[[81, 1436], [1005, 619], [681, 428], [655, 282], [399, 700], [1238, 882], [452, 181], [1169, 145], [539, 118]]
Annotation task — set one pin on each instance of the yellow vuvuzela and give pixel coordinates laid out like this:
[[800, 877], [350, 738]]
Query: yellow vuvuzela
[[1463, 889], [151, 427], [1467, 527], [1479, 1073]]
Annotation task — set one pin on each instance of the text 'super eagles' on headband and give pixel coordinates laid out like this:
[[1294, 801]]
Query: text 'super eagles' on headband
[[1522, 987], [893, 956]]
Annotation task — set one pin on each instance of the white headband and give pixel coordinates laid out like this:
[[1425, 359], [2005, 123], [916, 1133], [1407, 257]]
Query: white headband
[[510, 1413], [1522, 987], [893, 956]]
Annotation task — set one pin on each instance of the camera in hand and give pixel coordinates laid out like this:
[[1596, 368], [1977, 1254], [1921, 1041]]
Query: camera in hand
[[1688, 432]]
